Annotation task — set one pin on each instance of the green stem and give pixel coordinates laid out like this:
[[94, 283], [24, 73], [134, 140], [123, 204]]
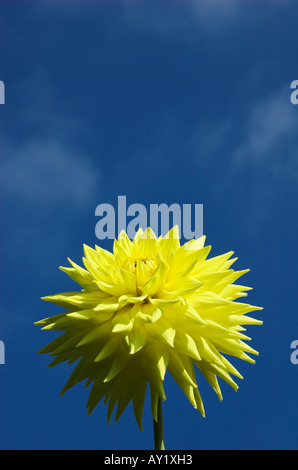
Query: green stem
[[159, 441]]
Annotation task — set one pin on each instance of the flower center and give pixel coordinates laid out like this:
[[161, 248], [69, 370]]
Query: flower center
[[145, 264], [142, 267], [148, 262]]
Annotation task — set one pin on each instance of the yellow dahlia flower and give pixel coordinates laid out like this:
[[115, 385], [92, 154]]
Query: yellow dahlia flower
[[149, 307]]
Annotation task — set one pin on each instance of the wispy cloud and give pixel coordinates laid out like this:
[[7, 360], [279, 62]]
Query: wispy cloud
[[44, 172], [160, 18], [270, 137], [48, 195], [168, 17], [262, 137]]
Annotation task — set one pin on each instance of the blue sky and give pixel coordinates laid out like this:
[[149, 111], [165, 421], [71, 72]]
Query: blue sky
[[164, 102]]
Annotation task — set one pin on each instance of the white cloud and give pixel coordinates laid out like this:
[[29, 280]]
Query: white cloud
[[217, 10], [270, 137], [44, 172], [264, 138], [252, 156], [46, 168], [167, 17]]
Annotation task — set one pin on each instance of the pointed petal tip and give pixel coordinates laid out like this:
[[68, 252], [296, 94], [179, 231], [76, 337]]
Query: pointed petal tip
[[50, 326], [122, 235]]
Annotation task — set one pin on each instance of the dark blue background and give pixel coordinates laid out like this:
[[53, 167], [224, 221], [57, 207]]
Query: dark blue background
[[185, 102]]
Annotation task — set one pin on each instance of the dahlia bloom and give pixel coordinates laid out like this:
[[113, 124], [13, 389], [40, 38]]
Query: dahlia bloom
[[149, 307]]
